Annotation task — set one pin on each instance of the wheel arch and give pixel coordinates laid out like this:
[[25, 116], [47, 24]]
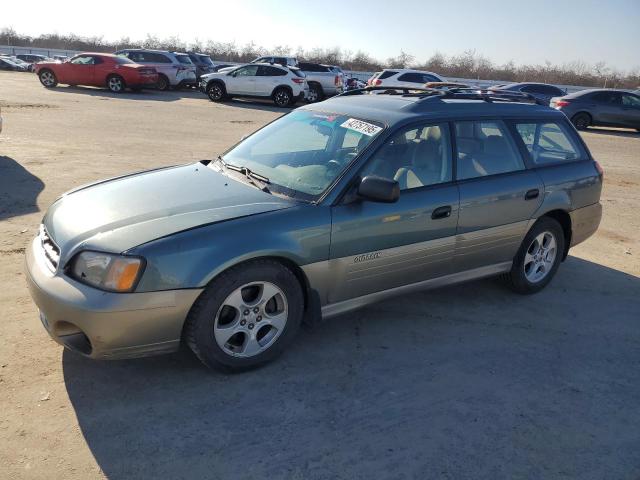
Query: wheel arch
[[219, 82], [564, 219], [288, 87]]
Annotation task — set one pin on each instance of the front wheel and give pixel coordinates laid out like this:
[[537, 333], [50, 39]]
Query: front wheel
[[246, 316], [48, 78], [215, 92], [538, 258], [282, 97], [115, 84]]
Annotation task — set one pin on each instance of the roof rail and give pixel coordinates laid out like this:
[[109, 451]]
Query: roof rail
[[421, 91]]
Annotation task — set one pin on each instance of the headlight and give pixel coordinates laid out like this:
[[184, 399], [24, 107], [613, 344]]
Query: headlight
[[106, 271]]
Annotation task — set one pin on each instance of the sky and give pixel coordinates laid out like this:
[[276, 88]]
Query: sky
[[559, 31]]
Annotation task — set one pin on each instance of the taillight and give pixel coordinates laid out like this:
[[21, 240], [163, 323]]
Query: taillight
[[377, 82], [297, 80], [599, 169], [561, 103], [337, 81]]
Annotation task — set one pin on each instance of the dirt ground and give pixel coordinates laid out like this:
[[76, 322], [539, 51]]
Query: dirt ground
[[464, 382]]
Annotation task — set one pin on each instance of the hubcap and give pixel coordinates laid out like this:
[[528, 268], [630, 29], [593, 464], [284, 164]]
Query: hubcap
[[313, 95], [251, 319], [540, 257], [215, 92]]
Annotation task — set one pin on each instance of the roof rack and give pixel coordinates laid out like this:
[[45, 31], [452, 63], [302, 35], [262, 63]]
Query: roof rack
[[467, 93]]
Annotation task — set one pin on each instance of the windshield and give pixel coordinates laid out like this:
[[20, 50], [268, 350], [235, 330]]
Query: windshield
[[302, 153]]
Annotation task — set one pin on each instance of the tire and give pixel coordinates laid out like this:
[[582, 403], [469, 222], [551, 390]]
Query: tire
[[163, 83], [215, 92], [116, 84], [282, 97], [315, 93], [48, 78], [533, 269], [246, 316], [581, 121]]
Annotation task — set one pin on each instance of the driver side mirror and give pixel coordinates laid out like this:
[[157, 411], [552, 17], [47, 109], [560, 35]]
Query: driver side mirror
[[379, 189]]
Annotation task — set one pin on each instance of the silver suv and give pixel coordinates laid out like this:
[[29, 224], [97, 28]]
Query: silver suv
[[174, 69]]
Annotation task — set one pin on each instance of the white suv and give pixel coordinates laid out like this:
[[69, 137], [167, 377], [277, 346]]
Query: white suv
[[284, 85], [402, 77], [175, 70]]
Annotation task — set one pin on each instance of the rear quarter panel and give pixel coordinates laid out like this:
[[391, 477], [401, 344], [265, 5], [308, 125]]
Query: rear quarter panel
[[570, 186]]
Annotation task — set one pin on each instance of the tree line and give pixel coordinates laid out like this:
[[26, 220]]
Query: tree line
[[468, 64]]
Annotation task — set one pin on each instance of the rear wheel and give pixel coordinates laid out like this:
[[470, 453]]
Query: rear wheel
[[116, 84], [48, 78], [163, 83], [581, 120], [282, 97], [246, 316], [538, 258], [315, 93]]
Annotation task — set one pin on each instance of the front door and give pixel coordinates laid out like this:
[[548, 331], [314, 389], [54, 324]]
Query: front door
[[79, 70], [630, 111], [498, 195], [378, 246], [242, 81]]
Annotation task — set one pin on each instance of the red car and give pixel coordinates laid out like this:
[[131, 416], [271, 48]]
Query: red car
[[98, 70]]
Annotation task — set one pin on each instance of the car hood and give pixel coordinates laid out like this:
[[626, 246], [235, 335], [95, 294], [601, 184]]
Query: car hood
[[118, 214]]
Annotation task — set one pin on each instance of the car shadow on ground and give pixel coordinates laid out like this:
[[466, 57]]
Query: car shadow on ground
[[19, 189], [146, 94], [469, 381], [612, 132], [259, 104]]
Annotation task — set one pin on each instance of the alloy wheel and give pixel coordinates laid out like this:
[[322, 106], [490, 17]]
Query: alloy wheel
[[540, 257], [115, 84], [47, 79], [282, 98], [251, 319], [215, 92]]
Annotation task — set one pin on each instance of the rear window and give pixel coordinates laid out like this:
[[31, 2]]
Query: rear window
[[184, 59], [206, 59], [548, 142], [386, 74], [297, 72]]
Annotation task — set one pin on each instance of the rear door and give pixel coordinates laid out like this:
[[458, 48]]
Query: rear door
[[605, 107], [498, 195], [379, 246], [267, 79]]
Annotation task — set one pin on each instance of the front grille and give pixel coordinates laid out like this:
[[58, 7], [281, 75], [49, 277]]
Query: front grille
[[50, 249]]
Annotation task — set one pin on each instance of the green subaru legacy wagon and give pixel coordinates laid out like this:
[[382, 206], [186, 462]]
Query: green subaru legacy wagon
[[329, 208]]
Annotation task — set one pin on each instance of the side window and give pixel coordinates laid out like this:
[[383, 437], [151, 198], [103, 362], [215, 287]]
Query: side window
[[83, 60], [97, 60], [606, 97], [248, 71], [548, 142], [430, 78], [415, 157], [386, 74], [485, 148], [630, 100], [411, 77]]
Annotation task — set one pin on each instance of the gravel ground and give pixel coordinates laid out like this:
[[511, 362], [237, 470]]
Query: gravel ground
[[464, 382]]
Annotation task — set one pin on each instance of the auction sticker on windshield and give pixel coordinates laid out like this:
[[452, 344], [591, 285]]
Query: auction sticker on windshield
[[363, 127]]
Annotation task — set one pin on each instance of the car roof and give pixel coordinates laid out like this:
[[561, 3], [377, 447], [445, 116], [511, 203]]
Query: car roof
[[579, 93], [395, 109]]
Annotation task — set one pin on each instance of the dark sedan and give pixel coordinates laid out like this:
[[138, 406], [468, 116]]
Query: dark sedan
[[600, 108], [542, 92]]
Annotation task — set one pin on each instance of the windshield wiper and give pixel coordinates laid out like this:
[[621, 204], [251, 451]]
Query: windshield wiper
[[249, 175]]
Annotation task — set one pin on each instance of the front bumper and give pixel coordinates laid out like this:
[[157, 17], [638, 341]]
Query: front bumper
[[101, 324]]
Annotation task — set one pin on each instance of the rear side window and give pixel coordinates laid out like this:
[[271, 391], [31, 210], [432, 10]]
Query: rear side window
[[605, 97], [153, 57], [416, 77], [386, 74], [485, 148], [121, 60], [548, 142], [265, 71], [184, 59]]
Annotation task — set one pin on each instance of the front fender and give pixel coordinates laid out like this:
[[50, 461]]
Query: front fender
[[191, 259]]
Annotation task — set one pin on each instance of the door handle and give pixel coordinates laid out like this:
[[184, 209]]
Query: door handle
[[441, 212], [531, 194]]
